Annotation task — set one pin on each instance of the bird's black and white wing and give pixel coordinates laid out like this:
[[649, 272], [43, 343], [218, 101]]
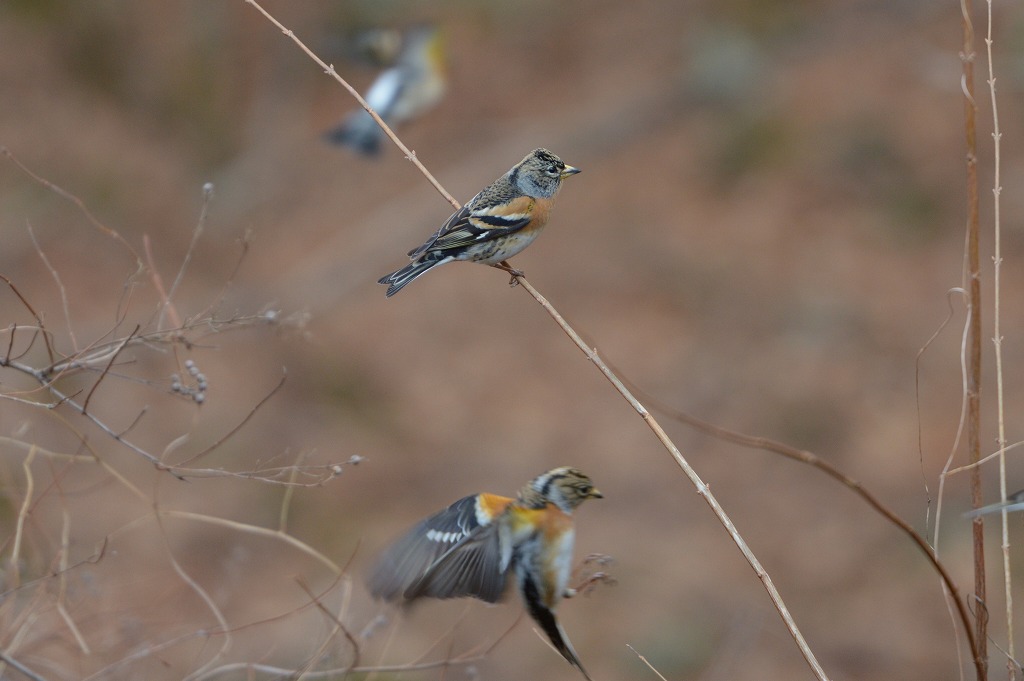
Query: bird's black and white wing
[[477, 222], [451, 554]]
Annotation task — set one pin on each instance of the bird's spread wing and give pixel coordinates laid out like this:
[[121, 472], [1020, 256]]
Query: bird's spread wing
[[470, 568], [451, 554], [474, 224]]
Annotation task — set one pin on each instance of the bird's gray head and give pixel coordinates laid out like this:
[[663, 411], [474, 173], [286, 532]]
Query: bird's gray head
[[540, 174], [564, 487]]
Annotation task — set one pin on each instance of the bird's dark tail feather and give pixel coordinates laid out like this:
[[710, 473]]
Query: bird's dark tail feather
[[546, 619], [398, 279]]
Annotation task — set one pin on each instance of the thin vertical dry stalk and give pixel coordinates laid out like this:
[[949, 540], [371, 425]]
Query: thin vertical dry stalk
[[997, 340], [19, 532], [974, 336]]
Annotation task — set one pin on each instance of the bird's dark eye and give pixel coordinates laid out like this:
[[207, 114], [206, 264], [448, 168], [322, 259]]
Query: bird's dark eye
[[554, 170], [584, 489]]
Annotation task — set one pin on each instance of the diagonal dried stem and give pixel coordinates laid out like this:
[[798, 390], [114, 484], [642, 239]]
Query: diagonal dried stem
[[646, 662], [239, 425], [57, 280], [7, 659], [39, 321], [197, 232], [113, 357], [102, 228]]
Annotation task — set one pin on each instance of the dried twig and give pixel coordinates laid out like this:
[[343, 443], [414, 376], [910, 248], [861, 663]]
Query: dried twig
[[973, 286], [644, 660], [252, 412], [65, 550], [338, 626], [7, 659], [14, 572], [106, 369], [246, 528], [248, 669], [203, 595], [168, 306], [57, 280], [997, 340], [35, 315], [158, 286], [112, 233]]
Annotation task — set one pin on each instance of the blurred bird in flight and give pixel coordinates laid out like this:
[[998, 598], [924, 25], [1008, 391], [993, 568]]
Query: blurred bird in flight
[[409, 88], [472, 547]]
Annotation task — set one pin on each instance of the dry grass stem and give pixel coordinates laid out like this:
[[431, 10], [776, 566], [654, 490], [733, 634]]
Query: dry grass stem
[[102, 228], [8, 660], [205, 597], [997, 341], [60, 285], [167, 306], [973, 348], [14, 571], [226, 436], [646, 662], [246, 528]]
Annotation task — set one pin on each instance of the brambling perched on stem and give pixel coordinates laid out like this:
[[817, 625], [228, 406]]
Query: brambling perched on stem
[[409, 88], [473, 546], [495, 224]]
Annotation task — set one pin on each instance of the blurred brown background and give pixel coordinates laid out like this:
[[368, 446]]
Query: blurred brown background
[[769, 219]]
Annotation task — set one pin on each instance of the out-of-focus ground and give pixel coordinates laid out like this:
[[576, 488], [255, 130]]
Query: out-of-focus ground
[[768, 223]]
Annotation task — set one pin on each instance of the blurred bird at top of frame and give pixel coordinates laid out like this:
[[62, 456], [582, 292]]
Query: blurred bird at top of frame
[[409, 88], [1014, 502], [378, 46], [494, 225], [471, 548]]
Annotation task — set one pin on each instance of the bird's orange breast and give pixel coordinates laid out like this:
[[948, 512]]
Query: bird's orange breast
[[539, 211]]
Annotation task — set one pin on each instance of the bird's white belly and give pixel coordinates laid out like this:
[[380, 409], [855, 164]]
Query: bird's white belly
[[562, 562], [503, 248]]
